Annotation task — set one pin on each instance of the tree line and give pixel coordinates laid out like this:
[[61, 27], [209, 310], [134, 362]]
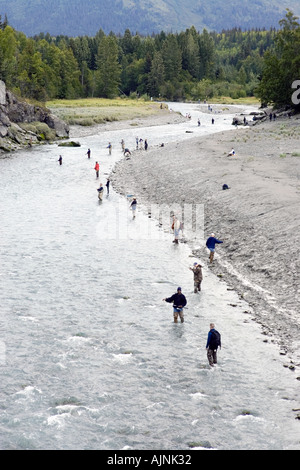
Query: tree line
[[184, 66]]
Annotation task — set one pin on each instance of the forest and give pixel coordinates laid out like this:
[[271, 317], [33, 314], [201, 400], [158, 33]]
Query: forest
[[184, 66]]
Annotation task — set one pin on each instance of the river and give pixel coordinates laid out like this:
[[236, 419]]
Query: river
[[89, 355]]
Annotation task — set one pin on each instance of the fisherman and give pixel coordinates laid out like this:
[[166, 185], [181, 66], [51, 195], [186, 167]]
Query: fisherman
[[197, 270], [176, 227], [100, 192], [107, 185], [212, 344], [211, 243], [179, 301], [97, 167], [133, 207]]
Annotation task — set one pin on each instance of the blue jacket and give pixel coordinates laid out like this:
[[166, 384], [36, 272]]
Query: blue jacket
[[209, 337], [211, 242]]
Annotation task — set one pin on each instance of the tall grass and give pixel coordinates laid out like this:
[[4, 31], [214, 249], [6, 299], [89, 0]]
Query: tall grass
[[90, 111], [248, 100]]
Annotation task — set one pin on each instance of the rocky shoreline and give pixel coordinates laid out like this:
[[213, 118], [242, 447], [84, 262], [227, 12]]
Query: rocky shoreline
[[23, 125], [257, 218]]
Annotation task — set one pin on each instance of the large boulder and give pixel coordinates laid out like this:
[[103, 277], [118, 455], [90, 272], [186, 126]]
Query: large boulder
[[20, 111], [62, 129], [2, 93], [4, 119], [3, 130], [14, 112]]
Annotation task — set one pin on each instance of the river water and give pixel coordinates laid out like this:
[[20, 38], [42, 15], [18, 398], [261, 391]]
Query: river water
[[89, 355]]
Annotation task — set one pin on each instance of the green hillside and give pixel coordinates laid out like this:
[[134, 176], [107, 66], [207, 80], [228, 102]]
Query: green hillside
[[189, 65], [86, 17]]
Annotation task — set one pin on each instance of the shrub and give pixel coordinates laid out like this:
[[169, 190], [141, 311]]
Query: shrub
[[40, 129]]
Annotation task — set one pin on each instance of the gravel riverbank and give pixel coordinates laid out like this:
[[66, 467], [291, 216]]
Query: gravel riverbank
[[257, 218]]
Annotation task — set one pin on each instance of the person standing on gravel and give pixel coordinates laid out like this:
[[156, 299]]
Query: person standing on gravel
[[211, 243]]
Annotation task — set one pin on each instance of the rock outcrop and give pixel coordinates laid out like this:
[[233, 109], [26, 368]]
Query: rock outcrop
[[23, 124]]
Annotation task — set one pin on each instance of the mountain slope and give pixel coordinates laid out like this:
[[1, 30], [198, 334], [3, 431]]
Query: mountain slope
[[86, 17]]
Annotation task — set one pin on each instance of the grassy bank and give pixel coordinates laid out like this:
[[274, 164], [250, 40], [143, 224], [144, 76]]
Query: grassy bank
[[90, 111], [249, 100]]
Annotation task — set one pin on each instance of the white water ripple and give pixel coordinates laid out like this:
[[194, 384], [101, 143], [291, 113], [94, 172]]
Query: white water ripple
[[90, 356]]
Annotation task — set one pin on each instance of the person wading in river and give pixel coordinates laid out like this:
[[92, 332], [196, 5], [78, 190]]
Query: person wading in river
[[212, 344], [197, 270], [97, 167], [133, 207], [179, 301], [100, 192], [176, 226], [107, 185]]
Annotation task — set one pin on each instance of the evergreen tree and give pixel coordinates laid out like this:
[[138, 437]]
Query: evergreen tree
[[50, 55], [69, 73], [281, 64], [3, 23], [32, 73], [180, 66], [8, 56], [206, 55], [190, 53], [156, 76], [108, 68], [126, 43], [172, 59]]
